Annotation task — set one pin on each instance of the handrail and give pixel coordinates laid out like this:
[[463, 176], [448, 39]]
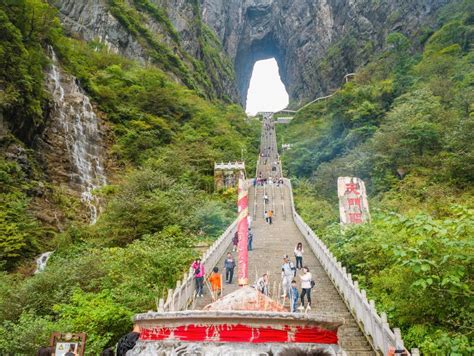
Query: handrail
[[264, 201], [273, 199], [181, 297], [346, 79], [282, 197], [364, 311], [255, 201]]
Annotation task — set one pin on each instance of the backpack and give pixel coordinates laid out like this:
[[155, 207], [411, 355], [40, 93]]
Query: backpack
[[197, 271], [126, 343], [313, 283]]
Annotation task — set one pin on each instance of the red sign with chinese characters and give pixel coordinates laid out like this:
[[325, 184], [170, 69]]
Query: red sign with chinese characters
[[353, 204]]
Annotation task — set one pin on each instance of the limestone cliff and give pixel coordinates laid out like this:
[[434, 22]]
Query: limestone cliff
[[315, 42], [167, 33]]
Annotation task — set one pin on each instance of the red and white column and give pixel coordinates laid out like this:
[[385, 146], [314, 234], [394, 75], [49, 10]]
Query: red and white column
[[242, 228]]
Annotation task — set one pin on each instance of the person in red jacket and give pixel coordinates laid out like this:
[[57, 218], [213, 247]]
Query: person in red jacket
[[199, 273]]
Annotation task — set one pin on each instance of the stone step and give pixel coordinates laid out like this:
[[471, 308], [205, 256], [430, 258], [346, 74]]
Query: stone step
[[354, 342], [271, 242]]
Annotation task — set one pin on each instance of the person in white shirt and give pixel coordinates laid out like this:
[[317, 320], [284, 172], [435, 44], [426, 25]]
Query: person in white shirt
[[262, 284], [299, 255], [306, 286], [287, 274]]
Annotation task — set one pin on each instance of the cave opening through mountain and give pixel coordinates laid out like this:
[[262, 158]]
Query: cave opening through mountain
[[266, 91]]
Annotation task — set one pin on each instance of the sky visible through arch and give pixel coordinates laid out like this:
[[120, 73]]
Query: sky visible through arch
[[266, 90]]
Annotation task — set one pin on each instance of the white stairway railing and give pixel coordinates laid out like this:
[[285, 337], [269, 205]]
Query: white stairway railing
[[374, 325], [181, 297]]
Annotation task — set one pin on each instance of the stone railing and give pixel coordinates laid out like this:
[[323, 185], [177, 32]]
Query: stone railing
[[182, 296], [374, 326]]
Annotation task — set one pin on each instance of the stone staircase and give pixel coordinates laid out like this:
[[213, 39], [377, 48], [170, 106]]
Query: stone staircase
[[271, 242]]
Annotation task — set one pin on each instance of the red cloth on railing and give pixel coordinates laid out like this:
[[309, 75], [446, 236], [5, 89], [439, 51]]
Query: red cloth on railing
[[241, 333]]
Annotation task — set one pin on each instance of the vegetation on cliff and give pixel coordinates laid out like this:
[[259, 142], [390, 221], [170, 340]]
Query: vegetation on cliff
[[158, 209], [204, 74], [404, 125]]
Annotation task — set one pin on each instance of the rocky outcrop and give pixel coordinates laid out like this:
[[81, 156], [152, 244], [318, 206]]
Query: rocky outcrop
[[176, 24], [91, 20], [315, 42]]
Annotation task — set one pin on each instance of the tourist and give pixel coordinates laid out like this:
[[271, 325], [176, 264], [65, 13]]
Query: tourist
[[229, 265], [265, 214], [263, 284], [198, 268], [265, 199], [235, 241], [216, 282], [293, 296], [127, 342], [299, 255], [287, 274], [249, 241], [270, 216], [306, 285]]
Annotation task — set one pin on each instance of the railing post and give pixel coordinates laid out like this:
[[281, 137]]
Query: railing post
[[398, 339], [161, 304], [373, 313], [178, 289], [169, 300]]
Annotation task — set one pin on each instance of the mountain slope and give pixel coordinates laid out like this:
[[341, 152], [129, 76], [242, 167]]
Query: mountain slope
[[404, 125], [159, 141]]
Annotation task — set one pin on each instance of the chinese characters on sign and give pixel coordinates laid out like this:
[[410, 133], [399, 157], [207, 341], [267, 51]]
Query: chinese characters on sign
[[353, 205]]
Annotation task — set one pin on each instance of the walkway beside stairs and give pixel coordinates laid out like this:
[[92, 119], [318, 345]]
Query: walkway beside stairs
[[271, 242]]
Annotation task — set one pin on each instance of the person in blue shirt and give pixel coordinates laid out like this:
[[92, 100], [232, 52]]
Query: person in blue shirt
[[294, 296], [249, 241]]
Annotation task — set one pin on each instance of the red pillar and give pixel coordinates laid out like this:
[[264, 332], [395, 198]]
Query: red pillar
[[242, 228]]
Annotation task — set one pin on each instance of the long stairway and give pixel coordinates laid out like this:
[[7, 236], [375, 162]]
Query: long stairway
[[271, 242]]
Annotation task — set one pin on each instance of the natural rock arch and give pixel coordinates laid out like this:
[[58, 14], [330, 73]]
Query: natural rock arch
[[315, 42], [265, 48]]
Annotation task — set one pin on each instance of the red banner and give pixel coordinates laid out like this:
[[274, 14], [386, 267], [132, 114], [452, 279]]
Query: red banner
[[242, 229], [241, 333]]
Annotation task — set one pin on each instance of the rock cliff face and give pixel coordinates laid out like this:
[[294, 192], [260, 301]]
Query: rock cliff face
[[175, 25], [72, 145], [315, 42], [91, 20]]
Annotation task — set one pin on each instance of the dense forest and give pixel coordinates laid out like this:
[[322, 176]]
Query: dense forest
[[404, 125], [159, 208]]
